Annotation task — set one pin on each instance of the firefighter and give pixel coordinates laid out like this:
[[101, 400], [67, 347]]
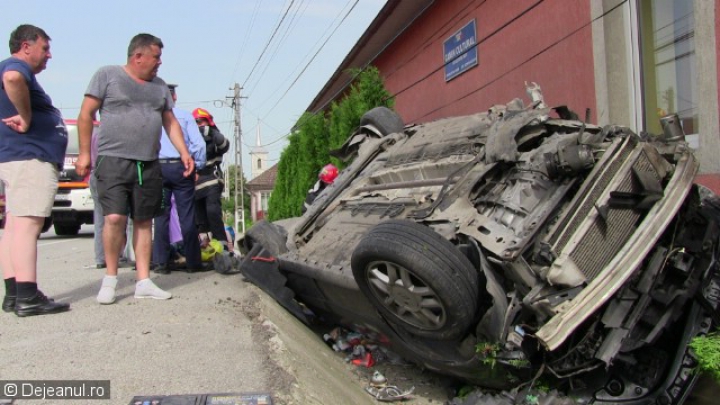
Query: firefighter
[[210, 182], [325, 178]]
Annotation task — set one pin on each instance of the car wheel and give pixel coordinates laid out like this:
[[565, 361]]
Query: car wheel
[[384, 119], [267, 234], [67, 230], [417, 279]]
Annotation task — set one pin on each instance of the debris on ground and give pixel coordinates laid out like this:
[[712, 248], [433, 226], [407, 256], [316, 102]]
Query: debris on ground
[[380, 389], [522, 397], [389, 393], [378, 380], [361, 349]]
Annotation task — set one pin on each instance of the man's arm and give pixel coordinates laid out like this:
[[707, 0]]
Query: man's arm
[[18, 92], [88, 109], [221, 143], [196, 144], [174, 131]]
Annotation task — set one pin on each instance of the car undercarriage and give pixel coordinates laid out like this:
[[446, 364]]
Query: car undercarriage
[[511, 246]]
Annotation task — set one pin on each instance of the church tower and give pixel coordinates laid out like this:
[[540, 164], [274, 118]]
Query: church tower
[[258, 157]]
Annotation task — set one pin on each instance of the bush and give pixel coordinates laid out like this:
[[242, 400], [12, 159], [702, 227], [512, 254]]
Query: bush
[[315, 135]]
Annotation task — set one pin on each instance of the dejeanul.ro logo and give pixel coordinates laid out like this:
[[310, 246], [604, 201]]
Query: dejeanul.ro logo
[[54, 389]]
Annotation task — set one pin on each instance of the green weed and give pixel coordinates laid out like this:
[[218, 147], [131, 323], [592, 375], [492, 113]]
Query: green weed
[[487, 352], [707, 350]]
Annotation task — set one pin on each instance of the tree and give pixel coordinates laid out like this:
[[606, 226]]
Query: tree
[[315, 135]]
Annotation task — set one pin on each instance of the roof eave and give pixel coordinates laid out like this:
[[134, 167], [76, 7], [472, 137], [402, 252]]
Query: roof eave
[[390, 22]]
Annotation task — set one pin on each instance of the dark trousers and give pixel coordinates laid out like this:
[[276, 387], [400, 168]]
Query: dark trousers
[[209, 211], [183, 188]]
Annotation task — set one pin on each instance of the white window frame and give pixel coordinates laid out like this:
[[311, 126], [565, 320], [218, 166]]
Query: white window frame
[[637, 116], [630, 12]]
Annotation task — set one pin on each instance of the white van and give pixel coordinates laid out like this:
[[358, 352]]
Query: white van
[[73, 205]]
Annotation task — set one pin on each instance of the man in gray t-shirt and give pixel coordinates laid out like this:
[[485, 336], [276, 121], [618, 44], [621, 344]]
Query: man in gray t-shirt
[[134, 105]]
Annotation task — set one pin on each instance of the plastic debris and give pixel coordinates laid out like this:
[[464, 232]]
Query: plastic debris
[[328, 339], [366, 361], [354, 338], [360, 348], [389, 393], [378, 380], [358, 351], [341, 345]]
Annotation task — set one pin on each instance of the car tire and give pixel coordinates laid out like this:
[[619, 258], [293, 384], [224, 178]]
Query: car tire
[[267, 234], [384, 119], [435, 289], [66, 230]]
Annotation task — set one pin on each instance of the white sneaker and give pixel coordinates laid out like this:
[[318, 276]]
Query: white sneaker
[[147, 289], [106, 295]]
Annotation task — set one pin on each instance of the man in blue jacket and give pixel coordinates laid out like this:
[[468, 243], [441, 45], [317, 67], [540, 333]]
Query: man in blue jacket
[[183, 189]]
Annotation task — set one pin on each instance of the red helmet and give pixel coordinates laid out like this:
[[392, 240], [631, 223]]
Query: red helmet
[[328, 173], [201, 113]]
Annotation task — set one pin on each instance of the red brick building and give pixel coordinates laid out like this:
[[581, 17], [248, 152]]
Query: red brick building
[[627, 61]]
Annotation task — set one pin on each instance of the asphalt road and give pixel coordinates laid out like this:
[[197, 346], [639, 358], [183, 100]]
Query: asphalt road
[[213, 336], [219, 334], [143, 347], [204, 340]]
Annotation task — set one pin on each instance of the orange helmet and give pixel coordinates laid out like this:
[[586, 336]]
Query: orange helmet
[[328, 173], [201, 113]]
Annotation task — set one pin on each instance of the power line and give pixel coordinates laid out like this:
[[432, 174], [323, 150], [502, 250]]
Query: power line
[[441, 32], [289, 26], [486, 38], [307, 65], [313, 58], [246, 36], [279, 43], [474, 46], [267, 45], [492, 34], [547, 48], [327, 29], [379, 52]]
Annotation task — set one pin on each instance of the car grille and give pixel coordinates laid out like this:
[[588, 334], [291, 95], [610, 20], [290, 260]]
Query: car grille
[[64, 193]]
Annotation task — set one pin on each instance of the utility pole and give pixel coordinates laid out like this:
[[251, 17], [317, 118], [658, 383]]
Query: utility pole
[[239, 183]]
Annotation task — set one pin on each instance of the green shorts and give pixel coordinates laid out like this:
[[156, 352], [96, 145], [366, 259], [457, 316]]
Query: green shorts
[[129, 187]]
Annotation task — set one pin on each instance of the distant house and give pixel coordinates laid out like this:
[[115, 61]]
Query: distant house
[[260, 189]]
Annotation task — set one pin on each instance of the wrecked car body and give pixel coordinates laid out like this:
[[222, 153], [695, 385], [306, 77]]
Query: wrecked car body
[[510, 245]]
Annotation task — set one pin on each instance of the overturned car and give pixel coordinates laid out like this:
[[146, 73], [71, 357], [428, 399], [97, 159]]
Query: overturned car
[[508, 246]]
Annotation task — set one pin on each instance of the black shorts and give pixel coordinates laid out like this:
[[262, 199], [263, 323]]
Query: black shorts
[[129, 187]]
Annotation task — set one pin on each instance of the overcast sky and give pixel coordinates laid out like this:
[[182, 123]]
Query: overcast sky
[[209, 46]]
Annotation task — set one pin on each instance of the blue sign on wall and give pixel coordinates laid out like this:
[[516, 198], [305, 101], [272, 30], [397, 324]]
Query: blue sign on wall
[[460, 51]]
